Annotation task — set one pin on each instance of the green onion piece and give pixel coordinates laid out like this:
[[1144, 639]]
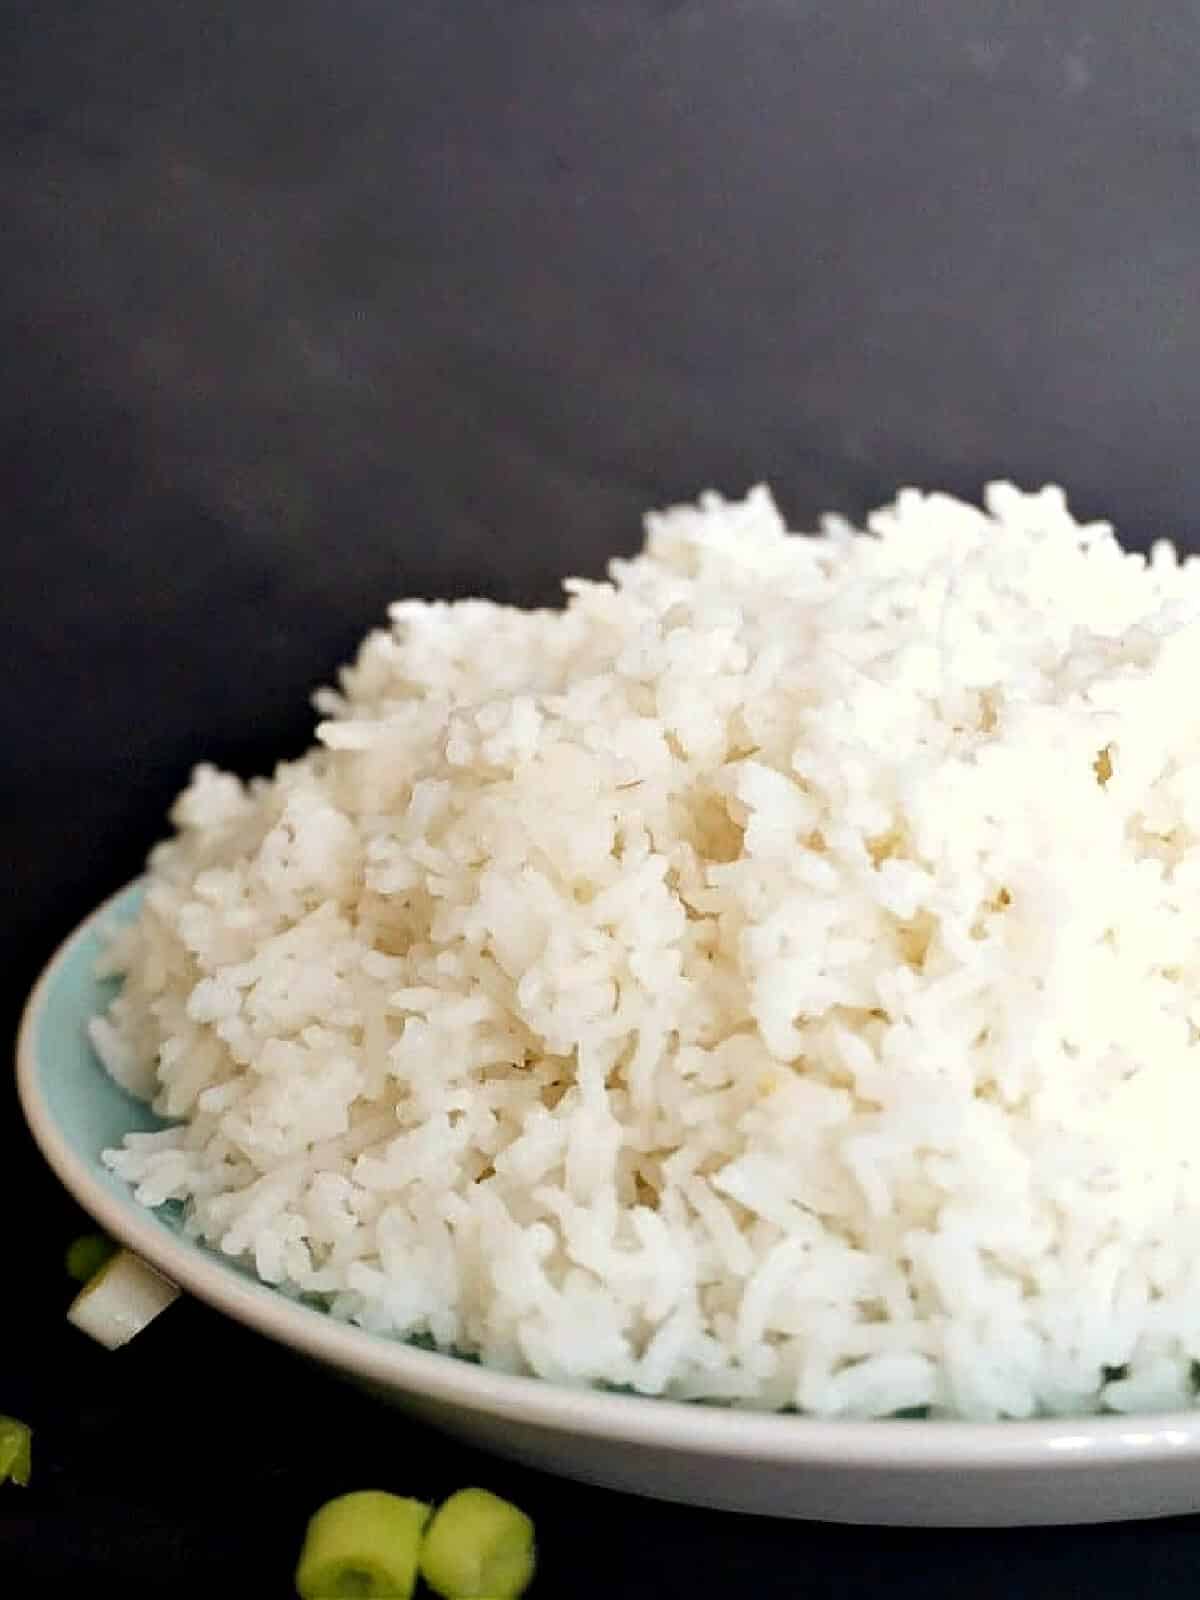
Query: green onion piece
[[478, 1547], [364, 1544], [117, 1302], [87, 1255], [16, 1451]]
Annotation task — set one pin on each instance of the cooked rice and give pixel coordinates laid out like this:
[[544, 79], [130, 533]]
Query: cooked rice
[[773, 978]]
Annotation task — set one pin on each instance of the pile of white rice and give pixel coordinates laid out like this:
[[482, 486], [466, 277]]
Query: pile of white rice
[[773, 978]]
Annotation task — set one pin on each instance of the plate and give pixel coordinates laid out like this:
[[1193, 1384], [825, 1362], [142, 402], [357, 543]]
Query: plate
[[901, 1472]]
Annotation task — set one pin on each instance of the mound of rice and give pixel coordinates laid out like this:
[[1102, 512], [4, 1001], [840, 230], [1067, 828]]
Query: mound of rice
[[773, 978]]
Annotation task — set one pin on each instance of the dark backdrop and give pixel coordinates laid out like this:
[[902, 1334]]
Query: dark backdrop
[[307, 305]]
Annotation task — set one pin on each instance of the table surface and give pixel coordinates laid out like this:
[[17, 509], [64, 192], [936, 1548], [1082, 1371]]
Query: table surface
[[306, 306]]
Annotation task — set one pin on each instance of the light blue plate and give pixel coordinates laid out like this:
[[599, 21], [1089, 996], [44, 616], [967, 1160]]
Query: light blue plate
[[90, 1111], [75, 1110], [1089, 1469]]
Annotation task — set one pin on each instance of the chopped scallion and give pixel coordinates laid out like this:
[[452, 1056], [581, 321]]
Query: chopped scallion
[[478, 1547], [120, 1300], [364, 1544], [16, 1451], [88, 1254]]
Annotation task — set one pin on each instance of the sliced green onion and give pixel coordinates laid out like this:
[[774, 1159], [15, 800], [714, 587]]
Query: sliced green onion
[[16, 1451], [119, 1300], [364, 1544], [478, 1547], [88, 1254]]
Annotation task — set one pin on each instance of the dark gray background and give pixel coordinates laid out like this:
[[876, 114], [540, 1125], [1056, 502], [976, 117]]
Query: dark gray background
[[304, 306]]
